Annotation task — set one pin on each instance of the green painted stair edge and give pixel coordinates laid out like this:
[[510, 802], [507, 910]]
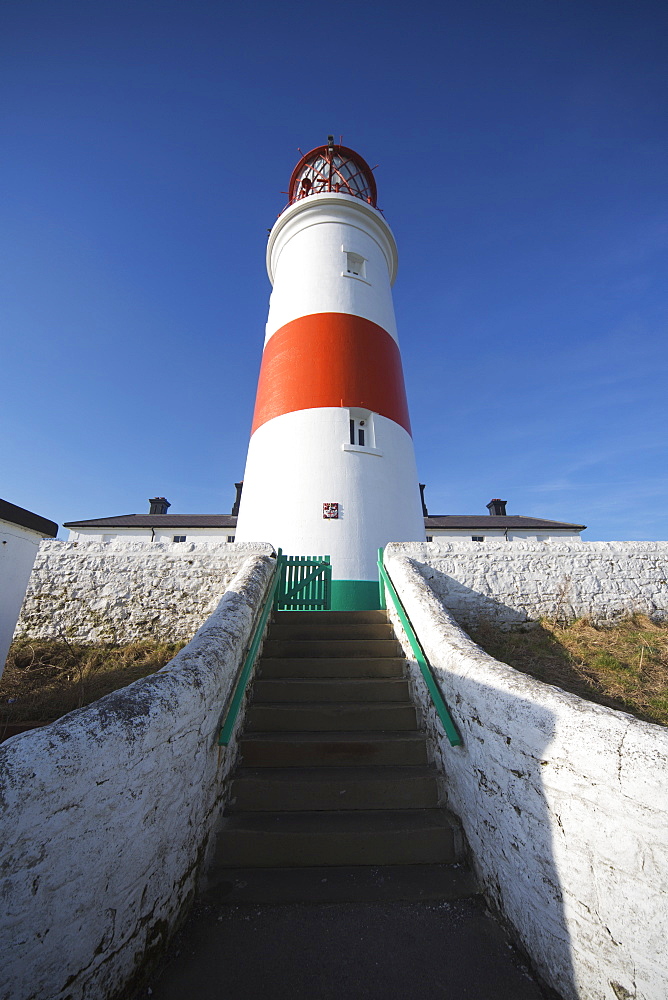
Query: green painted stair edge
[[355, 595]]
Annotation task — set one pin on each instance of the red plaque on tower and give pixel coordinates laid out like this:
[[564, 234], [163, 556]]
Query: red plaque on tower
[[330, 510]]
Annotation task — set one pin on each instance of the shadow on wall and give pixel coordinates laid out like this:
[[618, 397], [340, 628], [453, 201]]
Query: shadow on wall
[[469, 607], [502, 805], [563, 806]]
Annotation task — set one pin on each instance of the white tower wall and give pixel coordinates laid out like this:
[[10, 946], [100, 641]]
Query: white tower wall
[[306, 262], [305, 460]]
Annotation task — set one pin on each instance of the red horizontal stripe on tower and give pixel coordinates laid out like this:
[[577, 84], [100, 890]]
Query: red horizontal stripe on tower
[[331, 359]]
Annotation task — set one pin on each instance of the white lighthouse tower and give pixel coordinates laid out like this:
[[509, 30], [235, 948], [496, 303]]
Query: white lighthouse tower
[[331, 467]]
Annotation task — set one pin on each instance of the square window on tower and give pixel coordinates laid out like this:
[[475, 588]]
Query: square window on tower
[[361, 432]]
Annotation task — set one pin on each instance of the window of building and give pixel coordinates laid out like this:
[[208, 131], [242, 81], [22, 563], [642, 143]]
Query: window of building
[[230, 538], [430, 538], [477, 538], [179, 538]]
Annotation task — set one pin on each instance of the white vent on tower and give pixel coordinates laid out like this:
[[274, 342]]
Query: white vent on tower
[[355, 265]]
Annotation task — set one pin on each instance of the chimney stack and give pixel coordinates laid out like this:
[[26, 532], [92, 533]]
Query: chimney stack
[[497, 507], [425, 512], [159, 505], [237, 499]]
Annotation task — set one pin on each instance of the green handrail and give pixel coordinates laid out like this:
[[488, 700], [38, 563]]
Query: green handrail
[[234, 705], [386, 585]]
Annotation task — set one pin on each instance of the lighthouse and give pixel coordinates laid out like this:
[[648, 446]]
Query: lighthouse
[[331, 465]]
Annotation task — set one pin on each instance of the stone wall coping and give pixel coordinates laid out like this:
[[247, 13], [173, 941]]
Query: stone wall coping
[[525, 545]]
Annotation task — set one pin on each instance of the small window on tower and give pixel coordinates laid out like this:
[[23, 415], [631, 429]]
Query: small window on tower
[[361, 431], [355, 265]]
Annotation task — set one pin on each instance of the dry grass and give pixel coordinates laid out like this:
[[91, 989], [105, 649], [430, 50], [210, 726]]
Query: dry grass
[[45, 679], [624, 665]]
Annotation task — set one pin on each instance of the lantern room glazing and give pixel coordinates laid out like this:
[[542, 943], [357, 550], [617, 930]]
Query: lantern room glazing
[[333, 169]]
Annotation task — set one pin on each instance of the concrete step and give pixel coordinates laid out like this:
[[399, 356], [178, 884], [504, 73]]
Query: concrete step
[[332, 749], [327, 717], [326, 666], [303, 839], [331, 647], [330, 617], [314, 788], [335, 689], [306, 630], [350, 884]]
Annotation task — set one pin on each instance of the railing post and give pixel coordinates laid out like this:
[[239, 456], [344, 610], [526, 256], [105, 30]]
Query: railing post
[[279, 571], [381, 585], [328, 583]]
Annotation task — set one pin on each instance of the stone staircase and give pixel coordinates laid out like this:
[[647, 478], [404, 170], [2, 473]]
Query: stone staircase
[[334, 797]]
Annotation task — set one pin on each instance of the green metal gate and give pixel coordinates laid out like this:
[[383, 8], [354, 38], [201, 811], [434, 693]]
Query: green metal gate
[[305, 583]]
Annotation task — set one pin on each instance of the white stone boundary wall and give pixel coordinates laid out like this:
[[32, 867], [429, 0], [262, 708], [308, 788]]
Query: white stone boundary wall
[[106, 815], [512, 582], [124, 590], [564, 804]]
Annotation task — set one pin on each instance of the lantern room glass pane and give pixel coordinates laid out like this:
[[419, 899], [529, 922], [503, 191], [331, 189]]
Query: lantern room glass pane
[[328, 169]]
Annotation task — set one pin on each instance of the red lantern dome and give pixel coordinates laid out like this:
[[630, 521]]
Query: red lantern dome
[[335, 169]]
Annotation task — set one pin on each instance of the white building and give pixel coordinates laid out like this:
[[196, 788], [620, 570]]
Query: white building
[[157, 526], [21, 531], [160, 526], [498, 524]]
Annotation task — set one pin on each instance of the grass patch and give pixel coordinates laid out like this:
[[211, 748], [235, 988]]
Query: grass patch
[[45, 679], [624, 665]]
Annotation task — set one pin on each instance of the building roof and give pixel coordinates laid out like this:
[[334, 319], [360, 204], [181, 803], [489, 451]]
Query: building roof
[[473, 522], [26, 519], [158, 521], [482, 521]]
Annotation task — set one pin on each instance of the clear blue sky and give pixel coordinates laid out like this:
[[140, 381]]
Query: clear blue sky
[[522, 151]]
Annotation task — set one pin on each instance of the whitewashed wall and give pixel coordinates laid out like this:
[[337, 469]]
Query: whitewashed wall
[[107, 813], [125, 590], [565, 807], [510, 582]]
